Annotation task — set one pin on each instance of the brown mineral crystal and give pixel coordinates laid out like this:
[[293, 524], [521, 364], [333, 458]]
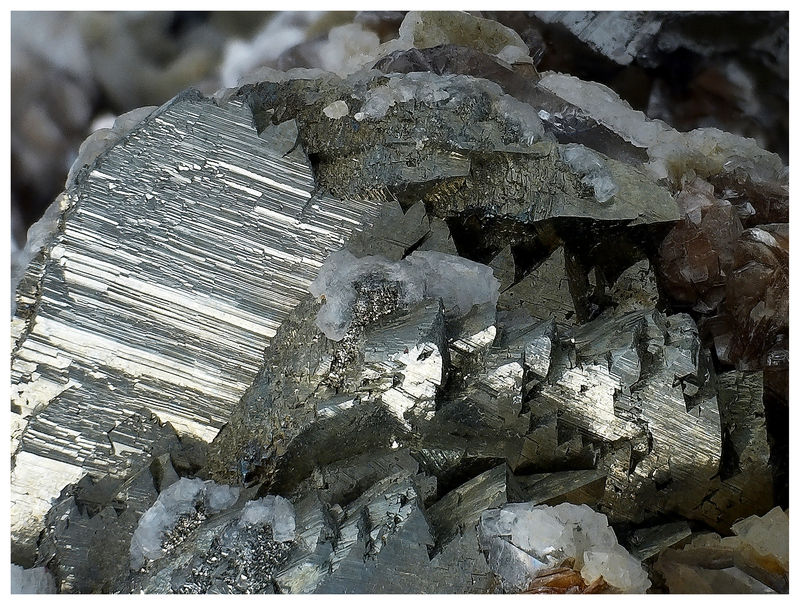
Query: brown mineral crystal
[[566, 580], [696, 255], [757, 295]]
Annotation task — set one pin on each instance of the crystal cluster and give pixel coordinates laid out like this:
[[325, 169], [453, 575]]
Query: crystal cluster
[[523, 542], [420, 319]]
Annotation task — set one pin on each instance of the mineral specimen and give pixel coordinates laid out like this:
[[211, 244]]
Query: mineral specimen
[[141, 232], [411, 318], [755, 559], [31, 581], [523, 541], [696, 256]]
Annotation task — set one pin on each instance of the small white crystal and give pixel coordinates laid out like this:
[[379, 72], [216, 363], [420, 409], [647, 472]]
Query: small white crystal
[[178, 499], [593, 170], [220, 497], [514, 54], [283, 523], [673, 154], [403, 88], [522, 114], [275, 511], [336, 110], [768, 535], [258, 512]]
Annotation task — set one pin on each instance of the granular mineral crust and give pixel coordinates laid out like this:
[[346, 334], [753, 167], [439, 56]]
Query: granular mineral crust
[[411, 317]]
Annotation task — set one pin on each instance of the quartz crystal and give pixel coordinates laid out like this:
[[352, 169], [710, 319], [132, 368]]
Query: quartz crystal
[[399, 312], [524, 541]]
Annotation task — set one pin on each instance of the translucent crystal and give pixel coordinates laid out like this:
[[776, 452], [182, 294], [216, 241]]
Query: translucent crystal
[[704, 151], [592, 170], [399, 90], [178, 499], [523, 541], [754, 560], [220, 497], [696, 256], [459, 282], [274, 511], [768, 535], [336, 110]]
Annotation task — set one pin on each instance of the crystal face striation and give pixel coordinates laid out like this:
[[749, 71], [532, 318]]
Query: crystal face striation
[[430, 319]]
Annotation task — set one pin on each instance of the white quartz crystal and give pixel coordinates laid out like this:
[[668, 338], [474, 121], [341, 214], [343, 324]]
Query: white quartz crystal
[[459, 282], [220, 497], [453, 91], [522, 541], [275, 511], [419, 86], [523, 114], [36, 580], [592, 169], [178, 499], [768, 535]]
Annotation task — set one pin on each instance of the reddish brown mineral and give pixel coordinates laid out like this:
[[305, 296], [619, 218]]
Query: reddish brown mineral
[[757, 296], [695, 258], [566, 580]]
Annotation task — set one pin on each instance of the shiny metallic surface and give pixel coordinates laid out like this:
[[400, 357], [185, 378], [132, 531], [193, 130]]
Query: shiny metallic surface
[[181, 251]]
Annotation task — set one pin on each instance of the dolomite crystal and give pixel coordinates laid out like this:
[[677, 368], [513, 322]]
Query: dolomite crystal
[[757, 294], [696, 256]]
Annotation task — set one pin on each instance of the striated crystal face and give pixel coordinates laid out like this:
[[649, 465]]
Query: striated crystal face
[[412, 318]]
